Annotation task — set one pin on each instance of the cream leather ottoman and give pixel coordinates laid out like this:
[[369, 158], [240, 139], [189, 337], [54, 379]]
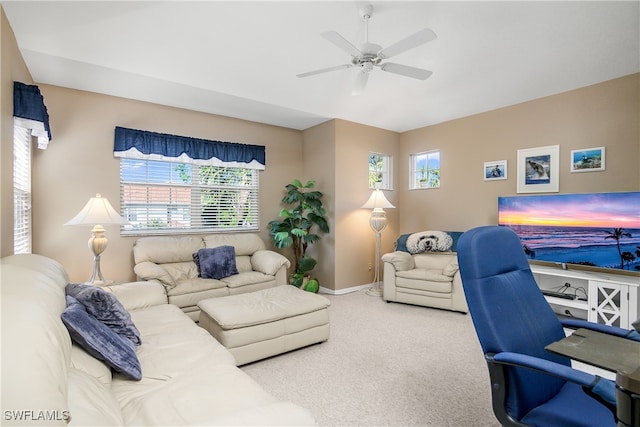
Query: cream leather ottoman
[[264, 323]]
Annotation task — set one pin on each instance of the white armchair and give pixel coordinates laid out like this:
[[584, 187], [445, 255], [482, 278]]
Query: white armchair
[[430, 279]]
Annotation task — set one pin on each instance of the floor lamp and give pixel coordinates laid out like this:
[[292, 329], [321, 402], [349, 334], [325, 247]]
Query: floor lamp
[[378, 221], [96, 212]]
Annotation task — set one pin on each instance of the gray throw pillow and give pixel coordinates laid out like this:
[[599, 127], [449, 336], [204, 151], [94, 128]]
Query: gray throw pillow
[[105, 307], [100, 341], [216, 263]]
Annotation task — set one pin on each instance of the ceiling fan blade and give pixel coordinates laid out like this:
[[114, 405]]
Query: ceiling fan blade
[[405, 70], [341, 42], [360, 83], [324, 70], [414, 40]]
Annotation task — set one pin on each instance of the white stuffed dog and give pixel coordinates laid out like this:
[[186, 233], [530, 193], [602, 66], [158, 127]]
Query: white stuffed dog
[[429, 241]]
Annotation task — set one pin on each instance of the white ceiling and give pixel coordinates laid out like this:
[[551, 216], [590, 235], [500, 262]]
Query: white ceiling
[[240, 59]]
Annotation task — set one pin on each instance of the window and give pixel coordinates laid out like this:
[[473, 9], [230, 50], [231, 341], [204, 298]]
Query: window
[[425, 170], [380, 171], [30, 118], [21, 190], [162, 197]]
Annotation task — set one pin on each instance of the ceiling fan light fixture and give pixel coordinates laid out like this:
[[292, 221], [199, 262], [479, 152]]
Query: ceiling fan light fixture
[[360, 83]]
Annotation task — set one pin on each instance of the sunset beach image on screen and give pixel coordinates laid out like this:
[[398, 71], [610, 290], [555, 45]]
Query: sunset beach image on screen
[[597, 229]]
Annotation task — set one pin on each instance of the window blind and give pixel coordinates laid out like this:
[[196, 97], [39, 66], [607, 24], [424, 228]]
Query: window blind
[[163, 197], [21, 190]]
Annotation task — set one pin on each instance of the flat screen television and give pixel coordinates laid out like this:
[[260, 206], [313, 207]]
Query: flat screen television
[[596, 231]]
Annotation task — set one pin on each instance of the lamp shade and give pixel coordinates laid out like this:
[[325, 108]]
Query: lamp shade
[[377, 201], [98, 210]]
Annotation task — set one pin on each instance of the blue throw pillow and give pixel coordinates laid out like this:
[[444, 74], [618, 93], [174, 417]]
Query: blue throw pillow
[[401, 243], [455, 235], [216, 263], [105, 307], [100, 341]]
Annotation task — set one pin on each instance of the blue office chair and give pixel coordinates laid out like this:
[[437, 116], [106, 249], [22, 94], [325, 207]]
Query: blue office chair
[[530, 386]]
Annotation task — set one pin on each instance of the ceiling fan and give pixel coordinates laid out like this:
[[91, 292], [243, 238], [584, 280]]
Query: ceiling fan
[[371, 55]]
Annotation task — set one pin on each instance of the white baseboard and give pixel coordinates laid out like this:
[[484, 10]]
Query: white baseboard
[[324, 290]]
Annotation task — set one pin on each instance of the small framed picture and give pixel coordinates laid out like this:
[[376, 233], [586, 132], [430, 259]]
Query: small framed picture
[[587, 160], [538, 170], [495, 170]]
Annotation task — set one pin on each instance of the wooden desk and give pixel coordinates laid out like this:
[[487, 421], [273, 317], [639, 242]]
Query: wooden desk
[[608, 352]]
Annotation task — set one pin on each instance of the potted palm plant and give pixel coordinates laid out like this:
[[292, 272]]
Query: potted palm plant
[[297, 228]]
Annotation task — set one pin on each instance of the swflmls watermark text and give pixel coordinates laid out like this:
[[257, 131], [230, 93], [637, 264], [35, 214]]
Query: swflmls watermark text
[[35, 415]]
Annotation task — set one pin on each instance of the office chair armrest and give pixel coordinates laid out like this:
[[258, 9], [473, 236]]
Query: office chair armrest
[[601, 387], [546, 366], [599, 327]]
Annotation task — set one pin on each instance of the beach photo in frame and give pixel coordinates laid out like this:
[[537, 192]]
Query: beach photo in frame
[[538, 170], [587, 160], [495, 170]]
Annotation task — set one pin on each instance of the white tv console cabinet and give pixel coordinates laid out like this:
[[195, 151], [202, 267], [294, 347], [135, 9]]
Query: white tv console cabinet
[[600, 297]]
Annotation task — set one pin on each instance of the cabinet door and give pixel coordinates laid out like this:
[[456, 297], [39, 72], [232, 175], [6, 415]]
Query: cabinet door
[[608, 304]]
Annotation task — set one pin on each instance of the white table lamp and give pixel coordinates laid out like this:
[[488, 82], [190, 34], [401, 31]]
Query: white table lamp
[[96, 212], [378, 221]]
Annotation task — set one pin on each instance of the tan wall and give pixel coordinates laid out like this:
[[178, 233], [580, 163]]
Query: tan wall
[[12, 68], [319, 166], [355, 241], [80, 163], [336, 157], [606, 114]]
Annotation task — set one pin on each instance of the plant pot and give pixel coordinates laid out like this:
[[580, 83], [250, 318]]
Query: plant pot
[[308, 284], [311, 285]]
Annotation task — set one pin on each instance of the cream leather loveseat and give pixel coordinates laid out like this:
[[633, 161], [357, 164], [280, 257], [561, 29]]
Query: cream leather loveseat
[[430, 278], [169, 261], [188, 378]]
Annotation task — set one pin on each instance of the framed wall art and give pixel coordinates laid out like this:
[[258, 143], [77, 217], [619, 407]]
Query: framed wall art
[[495, 170], [587, 160], [538, 170]]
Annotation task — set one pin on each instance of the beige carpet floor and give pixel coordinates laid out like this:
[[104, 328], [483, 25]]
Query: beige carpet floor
[[386, 364]]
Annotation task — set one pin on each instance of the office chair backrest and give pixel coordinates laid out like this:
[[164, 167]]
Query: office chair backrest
[[509, 312]]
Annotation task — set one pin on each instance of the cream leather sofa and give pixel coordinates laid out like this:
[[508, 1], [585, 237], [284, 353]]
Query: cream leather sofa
[[188, 378], [169, 260], [430, 279]]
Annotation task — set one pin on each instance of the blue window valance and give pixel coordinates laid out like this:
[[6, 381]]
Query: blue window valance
[[30, 112], [140, 144]]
